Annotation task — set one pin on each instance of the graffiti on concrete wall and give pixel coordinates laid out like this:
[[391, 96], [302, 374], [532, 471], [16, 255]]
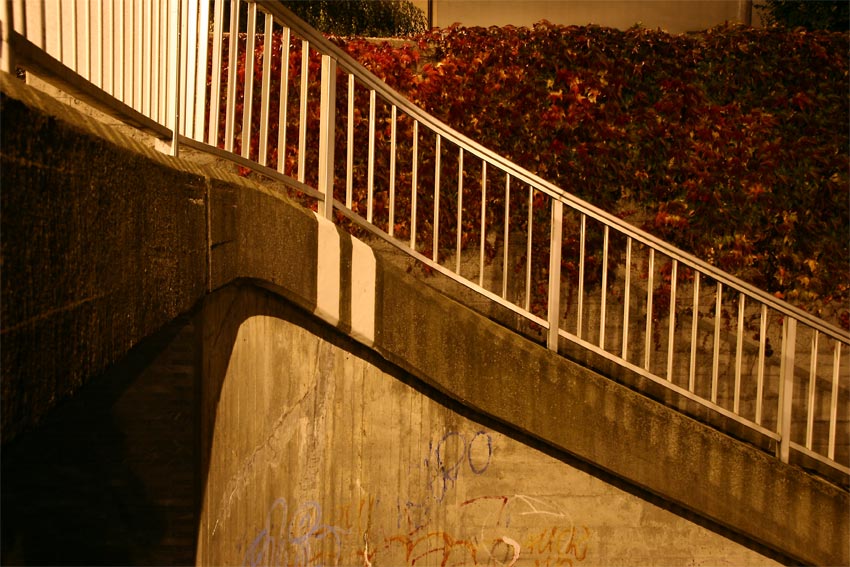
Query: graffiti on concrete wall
[[428, 526], [295, 537]]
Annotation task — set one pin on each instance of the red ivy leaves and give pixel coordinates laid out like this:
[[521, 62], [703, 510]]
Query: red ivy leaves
[[713, 141]]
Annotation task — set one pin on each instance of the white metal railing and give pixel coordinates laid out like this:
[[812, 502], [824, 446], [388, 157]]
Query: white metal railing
[[584, 276]]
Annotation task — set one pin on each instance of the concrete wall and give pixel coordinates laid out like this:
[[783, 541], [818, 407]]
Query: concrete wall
[[674, 16], [151, 236], [322, 454]]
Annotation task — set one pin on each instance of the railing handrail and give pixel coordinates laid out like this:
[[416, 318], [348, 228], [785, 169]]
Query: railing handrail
[[373, 82]]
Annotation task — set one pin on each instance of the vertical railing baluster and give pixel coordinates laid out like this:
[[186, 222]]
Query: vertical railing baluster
[[284, 99], [175, 94], [370, 164], [692, 371], [393, 118], [232, 63], [786, 387], [505, 244], [202, 42], [739, 353], [627, 289], [215, 79], [813, 369], [107, 35], [349, 146], [158, 56], [327, 123], [248, 92], [762, 352], [715, 359], [99, 42], [60, 33], [147, 62], [165, 73], [554, 306], [265, 89], [42, 35], [5, 54], [671, 329], [302, 115], [603, 291], [153, 7], [87, 39], [138, 56], [436, 235], [188, 54], [833, 402], [118, 48], [483, 222], [74, 40], [580, 309], [459, 235], [650, 283], [414, 174], [528, 249]]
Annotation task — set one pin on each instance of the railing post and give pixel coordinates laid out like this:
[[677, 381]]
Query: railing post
[[327, 120], [175, 91], [555, 273], [786, 387]]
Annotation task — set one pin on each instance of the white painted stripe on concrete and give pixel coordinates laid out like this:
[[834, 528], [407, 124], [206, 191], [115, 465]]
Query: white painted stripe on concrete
[[362, 292], [327, 272]]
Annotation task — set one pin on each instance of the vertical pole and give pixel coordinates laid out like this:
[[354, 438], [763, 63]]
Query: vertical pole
[[265, 89], [627, 285], [248, 86], [349, 147], [175, 149], [327, 121], [528, 249], [692, 373], [813, 376], [505, 245], [370, 164], [580, 309], [459, 209], [833, 403], [650, 279], [414, 183], [739, 353], [762, 352], [671, 329], [6, 55], [436, 236], [555, 273], [786, 387], [483, 222], [302, 116], [232, 63], [604, 287], [284, 99], [393, 128]]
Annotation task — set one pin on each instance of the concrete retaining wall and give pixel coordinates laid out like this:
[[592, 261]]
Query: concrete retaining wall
[[320, 453]]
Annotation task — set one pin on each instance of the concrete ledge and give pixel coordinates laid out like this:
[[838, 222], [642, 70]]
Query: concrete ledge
[[103, 244]]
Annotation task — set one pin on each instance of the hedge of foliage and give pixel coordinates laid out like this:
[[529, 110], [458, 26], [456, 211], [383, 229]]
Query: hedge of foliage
[[732, 144]]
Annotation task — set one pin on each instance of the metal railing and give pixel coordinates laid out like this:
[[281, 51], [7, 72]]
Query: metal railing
[[299, 106]]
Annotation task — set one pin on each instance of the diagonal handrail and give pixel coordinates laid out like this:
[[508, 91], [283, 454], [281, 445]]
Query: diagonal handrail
[[812, 354]]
